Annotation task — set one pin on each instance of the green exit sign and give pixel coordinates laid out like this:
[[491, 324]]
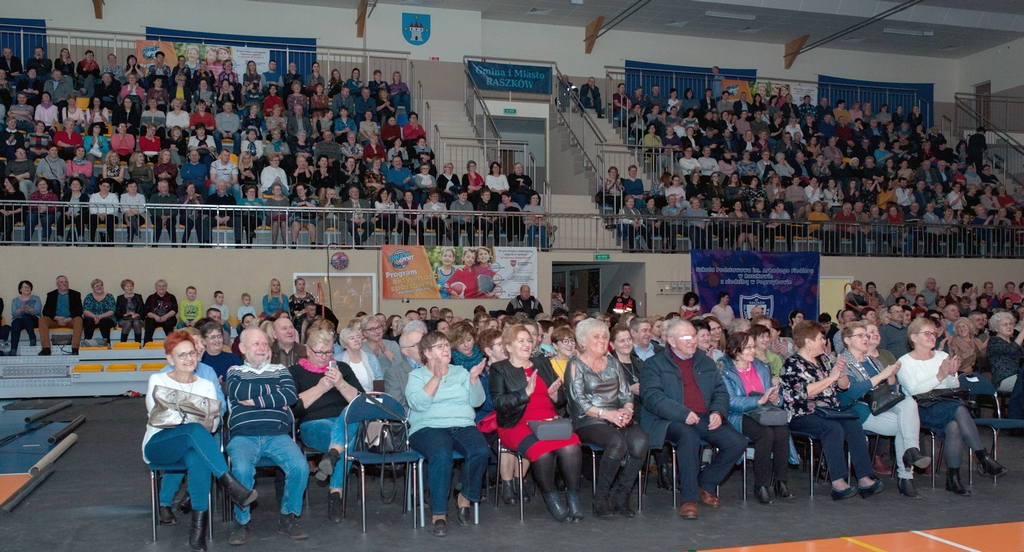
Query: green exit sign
[[602, 257], [510, 111]]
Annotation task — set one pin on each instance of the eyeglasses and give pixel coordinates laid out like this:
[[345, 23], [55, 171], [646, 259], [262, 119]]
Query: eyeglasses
[[190, 354], [373, 329], [932, 335], [859, 335], [567, 341], [443, 346], [319, 353]]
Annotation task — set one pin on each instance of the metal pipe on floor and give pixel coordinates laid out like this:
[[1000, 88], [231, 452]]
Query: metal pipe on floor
[[44, 413], [15, 499], [60, 435], [53, 455]]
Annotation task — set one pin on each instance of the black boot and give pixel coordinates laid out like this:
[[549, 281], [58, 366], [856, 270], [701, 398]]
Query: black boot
[[508, 493], [325, 469], [782, 491], [602, 505], [197, 534], [238, 493], [912, 458], [528, 488], [953, 483], [665, 477], [572, 503], [620, 502], [988, 466], [555, 507], [907, 488], [762, 494], [167, 516], [182, 503]]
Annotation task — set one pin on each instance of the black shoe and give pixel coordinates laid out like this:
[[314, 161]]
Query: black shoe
[[620, 503], [240, 535], [842, 495], [74, 351], [988, 466], [665, 477], [912, 458], [871, 490], [440, 528], [334, 507], [465, 516], [953, 483], [763, 496], [602, 505], [197, 533], [508, 493], [551, 500], [239, 493], [782, 491], [288, 524], [45, 351], [572, 504], [167, 516], [325, 469], [906, 488]]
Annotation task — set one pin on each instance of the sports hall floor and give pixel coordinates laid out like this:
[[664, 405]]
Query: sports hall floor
[[98, 499]]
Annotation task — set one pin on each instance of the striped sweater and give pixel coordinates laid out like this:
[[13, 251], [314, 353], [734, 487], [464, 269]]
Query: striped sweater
[[271, 388]]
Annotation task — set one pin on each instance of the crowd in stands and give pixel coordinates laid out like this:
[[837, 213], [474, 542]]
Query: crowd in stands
[[775, 168], [626, 384], [102, 147]]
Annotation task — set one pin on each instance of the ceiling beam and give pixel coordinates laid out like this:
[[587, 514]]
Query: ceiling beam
[[591, 35], [361, 19], [854, 28], [97, 6], [622, 16], [793, 50]]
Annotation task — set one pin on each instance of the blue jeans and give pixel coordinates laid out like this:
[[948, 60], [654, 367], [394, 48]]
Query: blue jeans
[[832, 434], [321, 434], [246, 451], [45, 220], [25, 322], [531, 235], [193, 446], [437, 446], [401, 99]]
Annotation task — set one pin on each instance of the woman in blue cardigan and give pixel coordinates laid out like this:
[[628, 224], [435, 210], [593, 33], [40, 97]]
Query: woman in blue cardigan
[[750, 385]]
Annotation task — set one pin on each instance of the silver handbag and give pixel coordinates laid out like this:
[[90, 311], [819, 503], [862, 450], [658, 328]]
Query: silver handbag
[[174, 407]]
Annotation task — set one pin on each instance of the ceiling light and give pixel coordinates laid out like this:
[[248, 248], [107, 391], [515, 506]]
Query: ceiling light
[[674, 23], [750, 30], [576, 2], [539, 11], [729, 15], [909, 32]]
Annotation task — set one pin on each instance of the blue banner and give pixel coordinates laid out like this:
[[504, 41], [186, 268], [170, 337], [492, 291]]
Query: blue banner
[[533, 79], [776, 282]]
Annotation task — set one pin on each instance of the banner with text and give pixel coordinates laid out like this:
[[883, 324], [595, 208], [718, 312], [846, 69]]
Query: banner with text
[[418, 272], [533, 79], [215, 56], [776, 282]]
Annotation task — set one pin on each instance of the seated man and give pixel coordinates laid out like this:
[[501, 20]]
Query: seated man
[[590, 97], [63, 309], [286, 349], [685, 400], [161, 311], [397, 375], [260, 427]]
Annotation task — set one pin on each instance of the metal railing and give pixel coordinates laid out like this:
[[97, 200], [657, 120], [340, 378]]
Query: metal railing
[[476, 110], [270, 227], [1005, 152], [459, 151], [583, 131]]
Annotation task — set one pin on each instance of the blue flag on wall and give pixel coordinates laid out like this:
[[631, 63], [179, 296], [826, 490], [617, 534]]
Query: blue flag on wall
[[416, 28], [776, 282]]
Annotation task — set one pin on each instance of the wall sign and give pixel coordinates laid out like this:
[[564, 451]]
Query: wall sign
[[511, 78]]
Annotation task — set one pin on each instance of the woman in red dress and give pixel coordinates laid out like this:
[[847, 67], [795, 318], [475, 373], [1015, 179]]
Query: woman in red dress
[[522, 389]]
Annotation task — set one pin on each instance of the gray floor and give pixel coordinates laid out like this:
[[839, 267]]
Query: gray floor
[[98, 499]]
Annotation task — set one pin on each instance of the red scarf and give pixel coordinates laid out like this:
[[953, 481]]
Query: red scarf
[[308, 366]]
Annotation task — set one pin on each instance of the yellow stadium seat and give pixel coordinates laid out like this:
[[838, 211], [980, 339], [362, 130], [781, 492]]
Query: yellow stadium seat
[[127, 345], [122, 367], [83, 103], [154, 345], [94, 348], [80, 368], [152, 366]]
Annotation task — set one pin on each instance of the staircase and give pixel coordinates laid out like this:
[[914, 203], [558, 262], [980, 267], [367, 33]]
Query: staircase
[[1003, 119], [449, 116], [569, 170]]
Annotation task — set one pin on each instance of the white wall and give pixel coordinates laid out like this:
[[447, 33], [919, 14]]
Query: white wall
[[453, 33], [1000, 65]]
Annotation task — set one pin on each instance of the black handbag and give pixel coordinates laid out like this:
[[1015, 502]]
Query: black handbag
[[835, 413], [552, 429], [882, 398], [935, 396], [768, 415]]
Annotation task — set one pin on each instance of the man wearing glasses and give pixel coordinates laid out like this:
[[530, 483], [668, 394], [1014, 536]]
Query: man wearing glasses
[[397, 375], [260, 426], [685, 401]]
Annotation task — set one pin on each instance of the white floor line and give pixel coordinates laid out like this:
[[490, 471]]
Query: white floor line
[[944, 541]]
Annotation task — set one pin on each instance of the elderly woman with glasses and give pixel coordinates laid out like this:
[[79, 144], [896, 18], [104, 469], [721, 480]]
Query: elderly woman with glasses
[[601, 407], [901, 421], [362, 361], [215, 356], [924, 369], [442, 398], [325, 388], [386, 351], [190, 444]]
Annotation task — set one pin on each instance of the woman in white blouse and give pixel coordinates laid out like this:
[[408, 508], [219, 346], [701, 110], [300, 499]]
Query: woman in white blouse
[[190, 444], [495, 181], [925, 370], [103, 207], [133, 209], [273, 173]]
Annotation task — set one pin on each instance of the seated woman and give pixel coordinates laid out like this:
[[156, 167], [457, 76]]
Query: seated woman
[[901, 421], [361, 360], [325, 389], [275, 301], [1004, 352], [26, 309], [98, 312], [522, 392], [442, 420], [128, 311], [750, 385], [810, 392], [601, 407], [215, 356], [190, 444], [924, 369]]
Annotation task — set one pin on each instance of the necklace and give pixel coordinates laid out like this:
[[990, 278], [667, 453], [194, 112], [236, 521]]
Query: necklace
[[181, 385]]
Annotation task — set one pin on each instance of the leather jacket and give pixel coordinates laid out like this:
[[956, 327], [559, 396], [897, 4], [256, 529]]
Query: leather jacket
[[507, 385]]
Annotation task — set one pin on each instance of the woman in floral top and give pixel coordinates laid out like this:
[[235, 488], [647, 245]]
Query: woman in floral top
[[810, 392]]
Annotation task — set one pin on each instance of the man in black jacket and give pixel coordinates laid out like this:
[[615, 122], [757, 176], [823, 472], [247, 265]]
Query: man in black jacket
[[63, 309], [685, 401], [623, 303], [525, 303]]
